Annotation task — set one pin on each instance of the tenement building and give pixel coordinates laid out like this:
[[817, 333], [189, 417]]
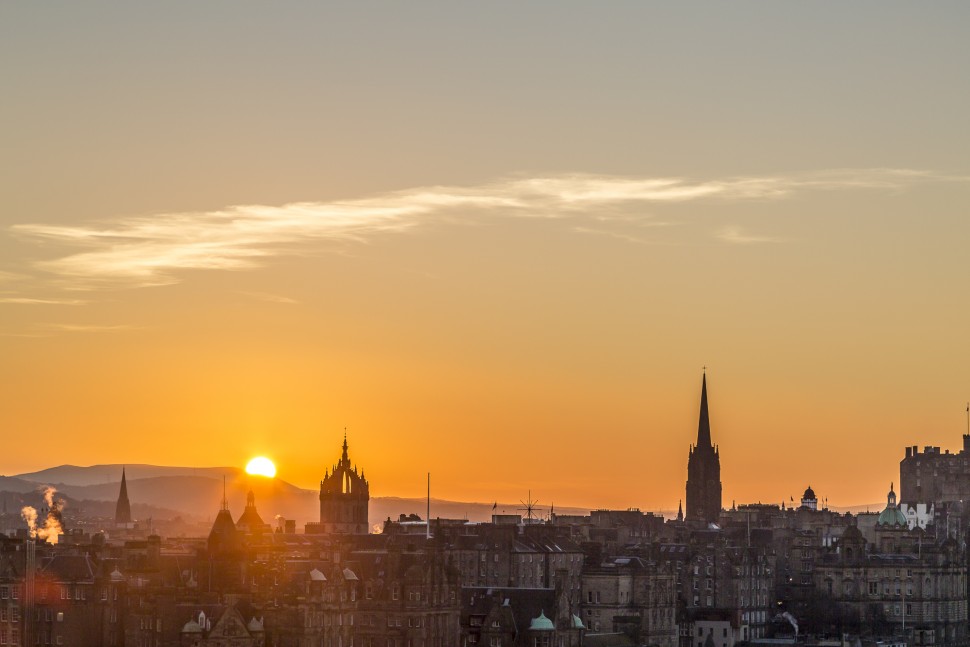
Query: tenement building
[[633, 596], [704, 470]]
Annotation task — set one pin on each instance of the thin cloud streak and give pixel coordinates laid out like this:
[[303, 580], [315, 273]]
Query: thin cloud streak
[[62, 327], [149, 251], [735, 236], [271, 298], [53, 302]]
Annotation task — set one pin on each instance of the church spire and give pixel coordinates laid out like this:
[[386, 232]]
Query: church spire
[[123, 508], [704, 422], [703, 470], [344, 458]]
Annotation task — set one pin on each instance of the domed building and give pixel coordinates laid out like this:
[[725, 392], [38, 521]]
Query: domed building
[[893, 534], [809, 500], [892, 516]]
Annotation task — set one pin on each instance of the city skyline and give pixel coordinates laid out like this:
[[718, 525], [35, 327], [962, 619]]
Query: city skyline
[[494, 243]]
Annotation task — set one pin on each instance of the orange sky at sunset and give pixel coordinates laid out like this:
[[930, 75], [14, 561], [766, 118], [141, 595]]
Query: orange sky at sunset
[[497, 250]]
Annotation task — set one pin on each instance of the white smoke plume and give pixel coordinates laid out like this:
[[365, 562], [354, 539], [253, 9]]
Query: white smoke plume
[[53, 525]]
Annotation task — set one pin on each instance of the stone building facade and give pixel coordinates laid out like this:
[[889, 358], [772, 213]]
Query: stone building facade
[[632, 596], [903, 584]]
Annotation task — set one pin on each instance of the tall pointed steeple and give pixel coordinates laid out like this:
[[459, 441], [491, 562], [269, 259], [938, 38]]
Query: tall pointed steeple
[[703, 470], [704, 420], [123, 508]]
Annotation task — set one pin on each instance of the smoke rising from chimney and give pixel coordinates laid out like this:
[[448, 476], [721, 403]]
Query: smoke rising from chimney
[[53, 524]]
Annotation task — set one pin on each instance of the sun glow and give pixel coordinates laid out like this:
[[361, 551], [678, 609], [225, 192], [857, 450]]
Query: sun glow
[[261, 466]]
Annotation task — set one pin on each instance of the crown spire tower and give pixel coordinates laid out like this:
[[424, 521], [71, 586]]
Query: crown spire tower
[[344, 497]]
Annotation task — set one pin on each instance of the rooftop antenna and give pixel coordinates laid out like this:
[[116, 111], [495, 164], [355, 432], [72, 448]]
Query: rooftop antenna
[[530, 506]]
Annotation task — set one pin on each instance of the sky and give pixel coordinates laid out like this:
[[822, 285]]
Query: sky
[[497, 242]]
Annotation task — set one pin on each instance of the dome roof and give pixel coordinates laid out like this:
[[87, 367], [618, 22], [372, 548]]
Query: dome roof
[[809, 493], [578, 622], [542, 623], [192, 627], [116, 575], [852, 532], [892, 516]]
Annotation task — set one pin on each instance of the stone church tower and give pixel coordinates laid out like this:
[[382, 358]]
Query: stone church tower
[[344, 496], [704, 470]]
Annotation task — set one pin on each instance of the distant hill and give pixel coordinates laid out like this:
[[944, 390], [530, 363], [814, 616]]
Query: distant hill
[[104, 474], [14, 484], [196, 492]]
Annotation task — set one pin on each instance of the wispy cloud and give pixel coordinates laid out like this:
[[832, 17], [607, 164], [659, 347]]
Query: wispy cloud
[[10, 277], [735, 236], [271, 298], [64, 327], [608, 233], [147, 251], [52, 302]]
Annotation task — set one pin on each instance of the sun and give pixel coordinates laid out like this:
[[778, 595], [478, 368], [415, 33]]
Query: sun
[[261, 466]]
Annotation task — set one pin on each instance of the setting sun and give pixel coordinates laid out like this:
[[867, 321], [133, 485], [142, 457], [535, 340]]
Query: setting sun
[[261, 466]]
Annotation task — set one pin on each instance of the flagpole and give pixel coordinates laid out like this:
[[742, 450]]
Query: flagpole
[[428, 524]]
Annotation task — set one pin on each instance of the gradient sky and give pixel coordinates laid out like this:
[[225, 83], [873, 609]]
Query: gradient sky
[[496, 241]]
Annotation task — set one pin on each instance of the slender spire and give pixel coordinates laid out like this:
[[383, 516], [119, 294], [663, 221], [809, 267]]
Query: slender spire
[[704, 422], [225, 500], [344, 458], [123, 507]]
